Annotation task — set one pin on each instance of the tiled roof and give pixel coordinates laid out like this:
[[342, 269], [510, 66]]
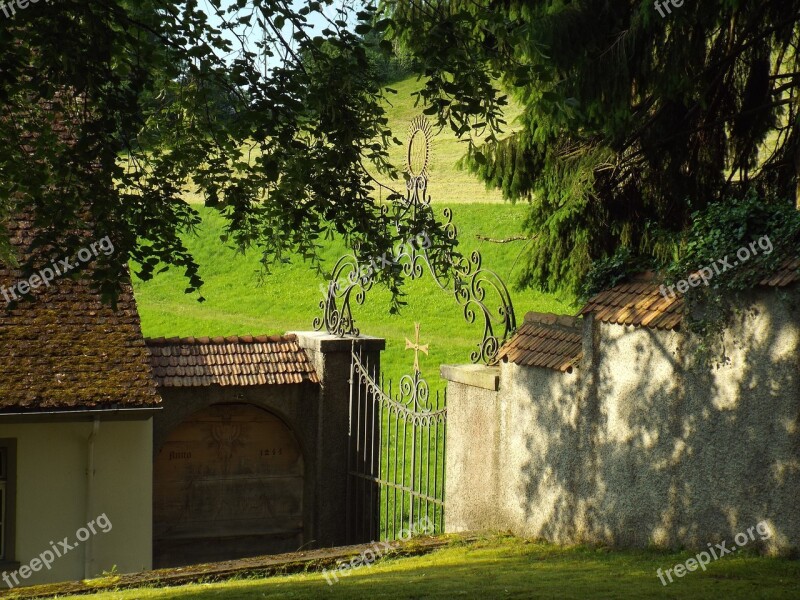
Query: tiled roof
[[63, 349], [246, 360], [640, 302], [787, 273], [637, 303], [545, 340]]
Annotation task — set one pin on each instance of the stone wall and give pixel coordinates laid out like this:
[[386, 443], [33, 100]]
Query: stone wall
[[331, 357], [644, 443]]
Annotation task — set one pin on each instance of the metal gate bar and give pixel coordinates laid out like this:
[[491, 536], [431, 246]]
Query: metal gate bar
[[380, 466]]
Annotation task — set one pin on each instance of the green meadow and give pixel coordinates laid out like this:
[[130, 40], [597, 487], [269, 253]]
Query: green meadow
[[241, 299]]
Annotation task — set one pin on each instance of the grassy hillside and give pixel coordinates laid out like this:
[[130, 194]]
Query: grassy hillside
[[449, 185], [240, 302]]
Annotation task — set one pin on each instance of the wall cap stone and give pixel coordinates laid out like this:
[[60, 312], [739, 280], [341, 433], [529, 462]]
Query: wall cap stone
[[479, 376], [321, 341]]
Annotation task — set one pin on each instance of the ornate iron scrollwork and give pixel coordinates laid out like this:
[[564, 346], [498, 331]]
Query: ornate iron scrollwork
[[413, 402], [348, 282], [464, 276]]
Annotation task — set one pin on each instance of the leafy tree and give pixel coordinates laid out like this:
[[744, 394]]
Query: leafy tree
[[734, 243], [388, 67], [632, 122], [111, 110]]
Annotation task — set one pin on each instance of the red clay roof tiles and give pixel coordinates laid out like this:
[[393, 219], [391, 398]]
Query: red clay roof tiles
[[641, 303], [787, 273], [637, 303], [235, 360], [545, 340]]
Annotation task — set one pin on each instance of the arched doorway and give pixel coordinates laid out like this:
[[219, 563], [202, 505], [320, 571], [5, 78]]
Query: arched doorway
[[227, 483]]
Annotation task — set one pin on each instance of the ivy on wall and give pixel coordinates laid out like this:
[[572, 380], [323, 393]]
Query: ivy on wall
[[737, 242]]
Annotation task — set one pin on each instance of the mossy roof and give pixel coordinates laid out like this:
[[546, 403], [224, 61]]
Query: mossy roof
[[64, 349]]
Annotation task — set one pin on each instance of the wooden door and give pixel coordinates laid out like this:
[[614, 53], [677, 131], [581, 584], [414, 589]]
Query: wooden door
[[228, 483]]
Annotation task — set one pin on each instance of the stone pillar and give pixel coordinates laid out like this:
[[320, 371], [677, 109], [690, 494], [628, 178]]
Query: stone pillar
[[330, 356], [473, 446]]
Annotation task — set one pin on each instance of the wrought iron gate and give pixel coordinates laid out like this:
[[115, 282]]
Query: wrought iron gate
[[396, 443], [396, 451]]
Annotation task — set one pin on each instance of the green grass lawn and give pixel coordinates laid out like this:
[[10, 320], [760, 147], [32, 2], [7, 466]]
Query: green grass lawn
[[504, 567], [239, 302]]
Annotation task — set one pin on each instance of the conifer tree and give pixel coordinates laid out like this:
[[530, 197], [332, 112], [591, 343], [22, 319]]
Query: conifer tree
[[632, 120]]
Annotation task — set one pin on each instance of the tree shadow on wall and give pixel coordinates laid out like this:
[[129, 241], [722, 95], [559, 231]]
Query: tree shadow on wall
[[658, 447]]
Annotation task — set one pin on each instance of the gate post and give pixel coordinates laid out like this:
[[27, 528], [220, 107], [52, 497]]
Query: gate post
[[331, 356], [472, 486]]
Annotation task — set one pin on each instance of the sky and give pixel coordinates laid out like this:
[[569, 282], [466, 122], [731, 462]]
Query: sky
[[315, 19]]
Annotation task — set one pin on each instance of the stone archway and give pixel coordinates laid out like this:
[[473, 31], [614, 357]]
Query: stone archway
[[227, 483]]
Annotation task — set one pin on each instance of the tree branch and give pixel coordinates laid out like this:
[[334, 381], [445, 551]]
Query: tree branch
[[513, 238]]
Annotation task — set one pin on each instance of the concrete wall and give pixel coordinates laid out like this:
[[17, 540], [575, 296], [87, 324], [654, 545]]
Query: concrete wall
[[52, 492], [474, 454], [645, 443]]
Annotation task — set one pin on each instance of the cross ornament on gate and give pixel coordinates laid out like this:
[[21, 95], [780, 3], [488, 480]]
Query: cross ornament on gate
[[416, 347]]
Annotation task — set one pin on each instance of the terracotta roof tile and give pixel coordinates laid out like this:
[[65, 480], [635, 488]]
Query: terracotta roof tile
[[788, 272], [545, 340], [232, 360], [641, 303], [65, 349]]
